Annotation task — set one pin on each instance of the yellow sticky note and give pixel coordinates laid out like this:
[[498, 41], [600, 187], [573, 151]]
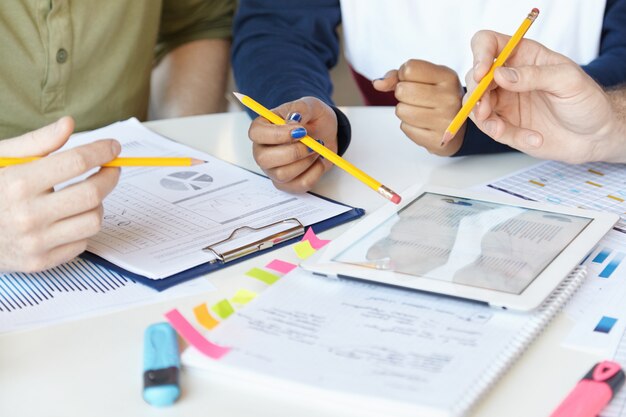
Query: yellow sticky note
[[243, 296], [223, 309], [303, 249], [204, 318], [261, 275]]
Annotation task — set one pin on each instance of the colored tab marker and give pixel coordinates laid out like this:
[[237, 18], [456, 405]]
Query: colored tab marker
[[303, 249], [223, 309], [204, 317], [316, 242], [193, 337], [281, 266], [264, 276], [243, 296]]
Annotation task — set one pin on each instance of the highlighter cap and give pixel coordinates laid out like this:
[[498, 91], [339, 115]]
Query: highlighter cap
[[161, 365]]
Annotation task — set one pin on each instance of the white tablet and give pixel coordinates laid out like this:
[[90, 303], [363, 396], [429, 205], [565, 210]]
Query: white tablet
[[506, 252]]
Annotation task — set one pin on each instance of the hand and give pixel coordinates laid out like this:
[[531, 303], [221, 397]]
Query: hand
[[429, 97], [544, 104], [42, 228], [292, 166]]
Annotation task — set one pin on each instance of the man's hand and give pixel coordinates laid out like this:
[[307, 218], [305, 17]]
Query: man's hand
[[41, 228], [544, 104], [429, 97], [292, 166]]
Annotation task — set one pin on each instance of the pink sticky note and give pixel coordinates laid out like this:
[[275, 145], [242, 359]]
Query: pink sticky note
[[315, 241], [281, 266], [193, 337]]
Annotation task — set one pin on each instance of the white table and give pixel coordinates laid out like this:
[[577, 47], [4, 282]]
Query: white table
[[93, 367]]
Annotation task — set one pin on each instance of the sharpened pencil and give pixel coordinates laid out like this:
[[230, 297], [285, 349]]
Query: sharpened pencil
[[482, 86], [121, 162], [308, 141]]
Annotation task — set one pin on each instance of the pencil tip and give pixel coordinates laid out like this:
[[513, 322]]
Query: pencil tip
[[446, 138], [197, 161], [238, 95]]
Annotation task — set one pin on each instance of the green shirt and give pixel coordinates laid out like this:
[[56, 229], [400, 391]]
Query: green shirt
[[92, 59]]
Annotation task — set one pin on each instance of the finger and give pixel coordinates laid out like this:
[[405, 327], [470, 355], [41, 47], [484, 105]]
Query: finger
[[268, 156], [483, 108], [561, 80], [418, 94], [421, 117], [56, 256], [39, 142], [286, 173], [73, 229], [386, 83], [78, 198], [486, 45], [47, 172], [426, 72], [306, 181], [504, 132]]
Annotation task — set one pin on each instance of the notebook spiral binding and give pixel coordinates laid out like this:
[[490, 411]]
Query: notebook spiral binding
[[549, 309]]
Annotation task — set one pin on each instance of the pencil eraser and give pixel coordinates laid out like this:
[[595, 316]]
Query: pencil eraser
[[535, 10], [395, 198], [161, 365]]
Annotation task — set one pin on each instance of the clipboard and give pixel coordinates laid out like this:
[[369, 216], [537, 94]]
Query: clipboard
[[244, 243]]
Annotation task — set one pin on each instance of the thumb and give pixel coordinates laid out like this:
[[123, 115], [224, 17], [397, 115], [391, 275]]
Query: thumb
[[560, 80], [388, 82], [39, 142]]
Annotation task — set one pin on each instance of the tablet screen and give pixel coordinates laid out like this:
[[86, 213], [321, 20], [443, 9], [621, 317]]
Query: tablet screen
[[471, 242]]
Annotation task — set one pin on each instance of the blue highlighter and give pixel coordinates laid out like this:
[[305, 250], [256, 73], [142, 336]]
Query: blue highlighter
[[161, 363]]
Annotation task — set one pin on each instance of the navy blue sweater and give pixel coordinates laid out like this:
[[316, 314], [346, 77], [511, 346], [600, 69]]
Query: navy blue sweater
[[283, 50]]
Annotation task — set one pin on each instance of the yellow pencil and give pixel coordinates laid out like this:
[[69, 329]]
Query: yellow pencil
[[465, 111], [121, 162], [322, 150]]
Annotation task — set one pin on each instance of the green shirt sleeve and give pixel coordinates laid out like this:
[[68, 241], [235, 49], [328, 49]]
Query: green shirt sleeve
[[183, 21]]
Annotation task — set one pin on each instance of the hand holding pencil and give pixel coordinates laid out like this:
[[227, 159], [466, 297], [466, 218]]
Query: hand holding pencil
[[294, 160], [42, 228], [544, 104]]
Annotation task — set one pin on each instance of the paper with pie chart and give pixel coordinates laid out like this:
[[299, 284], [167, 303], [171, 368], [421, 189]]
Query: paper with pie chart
[[157, 220]]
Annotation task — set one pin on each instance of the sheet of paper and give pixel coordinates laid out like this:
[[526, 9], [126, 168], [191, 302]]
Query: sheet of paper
[[597, 309], [598, 186], [73, 291], [374, 342], [157, 220]]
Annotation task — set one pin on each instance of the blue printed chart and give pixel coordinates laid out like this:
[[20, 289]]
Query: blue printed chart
[[599, 186], [76, 289], [599, 307]]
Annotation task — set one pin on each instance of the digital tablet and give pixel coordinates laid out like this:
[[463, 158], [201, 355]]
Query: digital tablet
[[495, 249]]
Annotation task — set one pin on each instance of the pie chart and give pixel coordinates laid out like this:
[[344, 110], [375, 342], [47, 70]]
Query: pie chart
[[186, 181]]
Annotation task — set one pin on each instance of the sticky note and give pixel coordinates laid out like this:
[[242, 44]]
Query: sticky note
[[303, 249], [281, 266], [204, 318], [193, 337], [261, 275], [243, 296], [316, 242], [223, 309]]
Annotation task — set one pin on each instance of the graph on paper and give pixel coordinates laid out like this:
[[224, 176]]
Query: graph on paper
[[598, 186], [71, 291]]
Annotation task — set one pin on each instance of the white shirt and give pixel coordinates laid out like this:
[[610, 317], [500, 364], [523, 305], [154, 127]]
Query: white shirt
[[382, 35]]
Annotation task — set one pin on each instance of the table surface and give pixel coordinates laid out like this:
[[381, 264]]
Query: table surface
[[94, 366]]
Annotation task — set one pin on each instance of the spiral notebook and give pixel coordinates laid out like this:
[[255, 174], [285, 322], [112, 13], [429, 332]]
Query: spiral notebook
[[373, 348]]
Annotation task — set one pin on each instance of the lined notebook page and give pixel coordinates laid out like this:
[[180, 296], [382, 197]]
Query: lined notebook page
[[375, 347]]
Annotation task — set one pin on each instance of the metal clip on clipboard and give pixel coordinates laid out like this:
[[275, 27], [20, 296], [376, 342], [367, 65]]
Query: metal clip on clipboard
[[245, 240]]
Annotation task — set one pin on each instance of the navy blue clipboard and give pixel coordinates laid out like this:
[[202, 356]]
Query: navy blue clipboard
[[164, 283]]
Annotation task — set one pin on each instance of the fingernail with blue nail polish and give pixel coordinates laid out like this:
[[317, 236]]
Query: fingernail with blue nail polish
[[294, 117], [298, 133]]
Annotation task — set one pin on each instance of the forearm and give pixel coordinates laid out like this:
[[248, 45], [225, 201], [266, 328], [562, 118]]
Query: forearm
[[191, 80]]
